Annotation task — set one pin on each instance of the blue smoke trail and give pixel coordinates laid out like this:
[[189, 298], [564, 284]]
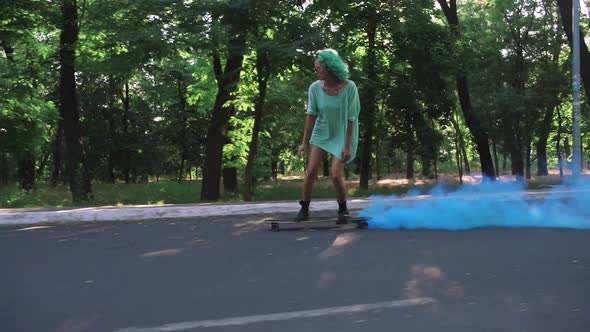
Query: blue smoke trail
[[485, 205]]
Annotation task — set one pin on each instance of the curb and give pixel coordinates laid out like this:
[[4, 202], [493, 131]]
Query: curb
[[146, 212]]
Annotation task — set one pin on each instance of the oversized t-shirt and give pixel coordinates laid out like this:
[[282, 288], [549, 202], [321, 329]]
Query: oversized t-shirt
[[333, 114]]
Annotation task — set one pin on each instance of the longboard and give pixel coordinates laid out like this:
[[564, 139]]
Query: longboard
[[275, 224]]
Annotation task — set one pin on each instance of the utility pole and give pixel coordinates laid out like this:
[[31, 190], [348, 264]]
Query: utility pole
[[577, 160]]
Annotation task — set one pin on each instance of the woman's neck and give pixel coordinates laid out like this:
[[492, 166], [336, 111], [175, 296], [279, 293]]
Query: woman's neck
[[331, 82]]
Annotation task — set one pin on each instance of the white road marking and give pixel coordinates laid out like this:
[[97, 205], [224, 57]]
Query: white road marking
[[182, 326]]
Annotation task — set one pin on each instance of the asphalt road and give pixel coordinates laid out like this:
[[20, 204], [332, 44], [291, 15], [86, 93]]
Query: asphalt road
[[233, 274]]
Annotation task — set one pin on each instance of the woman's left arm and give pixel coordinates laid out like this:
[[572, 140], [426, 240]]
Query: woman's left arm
[[353, 112], [347, 144]]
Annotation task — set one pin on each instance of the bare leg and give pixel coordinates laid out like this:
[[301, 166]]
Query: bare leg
[[338, 179], [316, 156]]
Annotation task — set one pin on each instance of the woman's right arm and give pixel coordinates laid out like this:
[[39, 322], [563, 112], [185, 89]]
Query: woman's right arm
[[309, 123]]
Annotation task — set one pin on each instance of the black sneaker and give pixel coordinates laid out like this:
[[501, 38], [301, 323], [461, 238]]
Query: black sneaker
[[343, 214], [303, 213]]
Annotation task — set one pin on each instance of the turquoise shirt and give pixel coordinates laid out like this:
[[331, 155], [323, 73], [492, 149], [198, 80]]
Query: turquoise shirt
[[333, 114]]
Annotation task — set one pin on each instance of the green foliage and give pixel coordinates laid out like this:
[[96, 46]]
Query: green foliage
[[147, 82]]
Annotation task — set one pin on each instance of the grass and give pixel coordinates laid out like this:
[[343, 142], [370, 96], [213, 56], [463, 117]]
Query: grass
[[188, 192]]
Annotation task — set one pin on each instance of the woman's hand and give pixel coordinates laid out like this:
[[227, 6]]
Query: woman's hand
[[346, 154], [303, 149]]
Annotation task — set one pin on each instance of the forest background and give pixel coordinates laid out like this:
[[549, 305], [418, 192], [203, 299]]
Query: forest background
[[167, 101]]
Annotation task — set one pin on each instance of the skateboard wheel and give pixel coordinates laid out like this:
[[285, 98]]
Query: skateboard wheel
[[363, 225], [274, 227]]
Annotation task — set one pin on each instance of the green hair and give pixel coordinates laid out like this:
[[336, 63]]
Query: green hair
[[334, 62]]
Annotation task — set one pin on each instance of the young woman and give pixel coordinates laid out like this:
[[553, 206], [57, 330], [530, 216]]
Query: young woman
[[331, 127]]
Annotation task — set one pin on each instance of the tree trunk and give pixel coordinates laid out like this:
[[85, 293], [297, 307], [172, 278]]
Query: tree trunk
[[110, 130], [230, 179], [465, 157], [43, 162], [410, 163], [558, 142], [528, 160], [517, 156], [8, 50], [377, 163], [544, 130], [180, 85], [57, 155], [495, 153], [458, 157], [26, 171], [127, 149], [180, 175], [410, 148], [426, 164], [567, 151], [3, 169], [227, 82], [78, 175], [275, 168], [471, 120], [367, 114]]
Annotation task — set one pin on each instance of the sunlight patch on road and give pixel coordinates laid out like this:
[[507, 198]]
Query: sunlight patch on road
[[32, 228], [338, 245], [159, 253]]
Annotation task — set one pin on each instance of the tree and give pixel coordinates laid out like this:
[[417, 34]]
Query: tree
[[472, 120], [227, 81], [77, 172]]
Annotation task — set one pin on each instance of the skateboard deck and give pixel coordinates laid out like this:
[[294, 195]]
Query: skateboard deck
[[275, 224]]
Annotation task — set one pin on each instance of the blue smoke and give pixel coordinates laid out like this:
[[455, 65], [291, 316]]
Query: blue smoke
[[490, 204]]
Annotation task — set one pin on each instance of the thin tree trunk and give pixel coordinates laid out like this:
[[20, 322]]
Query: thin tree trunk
[[410, 148], [8, 50], [127, 149], [566, 148], [78, 174], [458, 157], [43, 162], [26, 171], [377, 162], [369, 97], [183, 111], [180, 175], [495, 153], [458, 147], [544, 131], [275, 168], [465, 157], [528, 160], [410, 163], [558, 142], [3, 169], [57, 155], [230, 179]]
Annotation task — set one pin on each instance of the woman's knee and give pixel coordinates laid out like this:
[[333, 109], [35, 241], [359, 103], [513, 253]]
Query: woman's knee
[[336, 173], [311, 174]]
